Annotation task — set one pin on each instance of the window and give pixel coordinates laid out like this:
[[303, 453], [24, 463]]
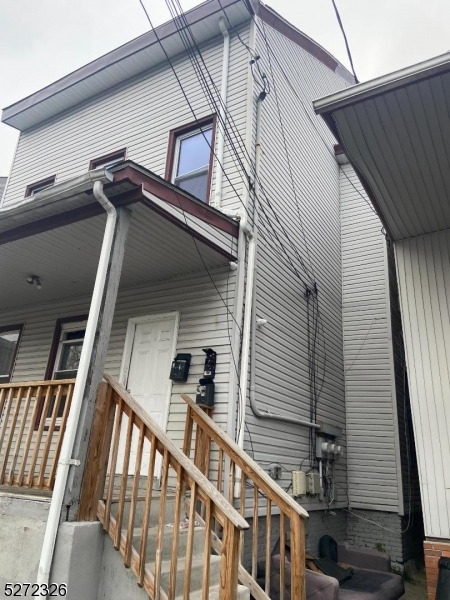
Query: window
[[38, 186], [69, 350], [9, 344], [108, 160], [190, 158]]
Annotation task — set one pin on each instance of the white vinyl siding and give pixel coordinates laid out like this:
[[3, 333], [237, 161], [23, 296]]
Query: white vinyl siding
[[203, 323], [423, 268], [138, 116], [282, 384], [374, 468]]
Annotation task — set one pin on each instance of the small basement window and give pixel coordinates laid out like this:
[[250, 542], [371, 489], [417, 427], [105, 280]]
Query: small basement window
[[108, 160], [190, 158], [38, 186], [9, 344]]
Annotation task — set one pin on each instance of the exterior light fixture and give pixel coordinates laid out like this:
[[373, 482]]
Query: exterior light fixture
[[31, 279]]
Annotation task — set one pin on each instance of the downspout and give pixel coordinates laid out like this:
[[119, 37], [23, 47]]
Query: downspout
[[66, 459], [251, 267], [223, 114]]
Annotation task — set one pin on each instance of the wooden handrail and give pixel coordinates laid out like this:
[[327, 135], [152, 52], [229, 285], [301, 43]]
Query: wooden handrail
[[31, 431], [264, 489], [265, 483], [203, 483], [120, 422]]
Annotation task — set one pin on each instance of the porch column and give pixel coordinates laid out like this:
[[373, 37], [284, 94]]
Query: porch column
[[73, 488]]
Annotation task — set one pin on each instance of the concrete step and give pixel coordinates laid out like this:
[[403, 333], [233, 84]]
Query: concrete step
[[243, 594], [199, 541], [196, 573], [140, 507]]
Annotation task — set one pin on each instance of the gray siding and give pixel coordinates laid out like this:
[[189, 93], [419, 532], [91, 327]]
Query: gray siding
[[282, 384], [203, 323], [423, 267], [374, 468], [137, 115]]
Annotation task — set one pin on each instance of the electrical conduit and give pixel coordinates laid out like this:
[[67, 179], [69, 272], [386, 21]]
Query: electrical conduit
[[65, 459]]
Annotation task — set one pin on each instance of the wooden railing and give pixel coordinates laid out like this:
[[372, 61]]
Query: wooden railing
[[145, 525], [259, 496], [33, 418]]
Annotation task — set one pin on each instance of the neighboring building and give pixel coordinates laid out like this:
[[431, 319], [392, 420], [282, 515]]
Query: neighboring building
[[393, 132], [233, 239]]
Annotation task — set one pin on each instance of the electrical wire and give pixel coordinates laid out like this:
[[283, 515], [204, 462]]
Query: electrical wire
[[341, 25]]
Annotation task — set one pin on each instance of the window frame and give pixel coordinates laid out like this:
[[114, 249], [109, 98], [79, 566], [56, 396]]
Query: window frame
[[43, 184], [67, 328], [19, 328], [107, 159], [173, 148], [55, 347]]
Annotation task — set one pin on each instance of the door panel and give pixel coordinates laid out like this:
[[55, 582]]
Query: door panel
[[148, 379]]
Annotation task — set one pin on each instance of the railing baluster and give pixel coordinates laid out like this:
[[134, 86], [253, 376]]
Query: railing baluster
[[30, 433], [190, 543], [7, 410], [188, 433], [220, 471], [112, 470], [282, 556], [7, 446], [229, 563], [62, 429], [242, 511], [3, 394], [268, 537], [48, 441], [255, 531], [207, 551], [161, 524], [38, 440], [15, 455], [134, 495], [124, 480], [298, 586], [231, 482], [148, 504], [179, 493]]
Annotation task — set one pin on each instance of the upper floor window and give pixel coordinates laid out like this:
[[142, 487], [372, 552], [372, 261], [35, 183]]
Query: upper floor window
[[38, 186], [108, 160], [9, 344], [190, 158]]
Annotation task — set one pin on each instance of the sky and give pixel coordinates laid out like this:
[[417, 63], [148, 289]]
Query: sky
[[43, 41]]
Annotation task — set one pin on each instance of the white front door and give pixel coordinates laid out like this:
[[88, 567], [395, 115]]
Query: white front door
[[149, 350]]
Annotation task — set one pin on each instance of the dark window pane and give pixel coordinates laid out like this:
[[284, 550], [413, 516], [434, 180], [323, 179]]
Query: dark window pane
[[194, 153], [51, 407], [70, 356], [197, 186], [8, 344], [75, 335]]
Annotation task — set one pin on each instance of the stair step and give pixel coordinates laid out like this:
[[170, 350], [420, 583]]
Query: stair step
[[196, 573], [199, 541], [140, 508], [243, 593]]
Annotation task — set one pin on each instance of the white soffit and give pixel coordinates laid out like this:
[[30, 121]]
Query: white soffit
[[396, 133]]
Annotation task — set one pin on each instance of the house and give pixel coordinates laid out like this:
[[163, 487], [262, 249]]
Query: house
[[175, 212], [393, 132]]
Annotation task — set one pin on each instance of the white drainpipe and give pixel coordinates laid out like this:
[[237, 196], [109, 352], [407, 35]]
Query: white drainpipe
[[66, 459], [223, 107]]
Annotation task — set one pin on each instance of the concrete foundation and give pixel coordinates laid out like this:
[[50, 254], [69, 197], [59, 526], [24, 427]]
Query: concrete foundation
[[22, 527]]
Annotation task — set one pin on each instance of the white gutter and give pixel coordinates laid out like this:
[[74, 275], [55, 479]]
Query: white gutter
[[388, 82], [223, 115], [66, 459]]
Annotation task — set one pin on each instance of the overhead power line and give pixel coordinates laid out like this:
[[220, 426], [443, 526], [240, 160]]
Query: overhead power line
[[341, 25]]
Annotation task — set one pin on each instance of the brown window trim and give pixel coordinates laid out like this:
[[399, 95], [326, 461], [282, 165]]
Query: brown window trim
[[183, 129], [110, 157], [29, 191], [52, 356], [16, 327]]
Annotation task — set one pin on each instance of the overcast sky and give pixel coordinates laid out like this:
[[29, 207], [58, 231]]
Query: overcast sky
[[42, 41]]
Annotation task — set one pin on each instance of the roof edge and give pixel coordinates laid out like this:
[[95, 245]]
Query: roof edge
[[385, 83]]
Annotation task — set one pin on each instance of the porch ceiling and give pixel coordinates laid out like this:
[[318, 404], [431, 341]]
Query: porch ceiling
[[66, 258], [395, 131]]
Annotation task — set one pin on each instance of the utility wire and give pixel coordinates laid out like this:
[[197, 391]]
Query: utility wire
[[341, 25]]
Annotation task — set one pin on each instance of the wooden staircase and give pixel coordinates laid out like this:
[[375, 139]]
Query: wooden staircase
[[185, 540]]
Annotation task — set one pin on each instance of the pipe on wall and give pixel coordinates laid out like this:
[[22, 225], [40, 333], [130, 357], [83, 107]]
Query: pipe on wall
[[66, 460]]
